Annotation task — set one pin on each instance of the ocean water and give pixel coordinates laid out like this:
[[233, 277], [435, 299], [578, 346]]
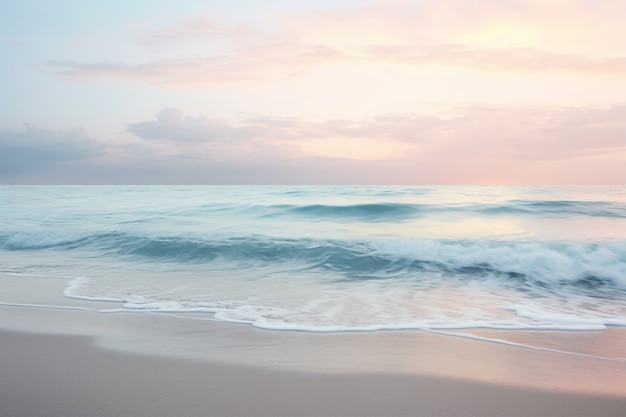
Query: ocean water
[[330, 258]]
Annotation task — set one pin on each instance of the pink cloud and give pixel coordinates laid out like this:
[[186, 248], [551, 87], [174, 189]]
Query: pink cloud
[[270, 62], [473, 144], [479, 136], [512, 59], [521, 36]]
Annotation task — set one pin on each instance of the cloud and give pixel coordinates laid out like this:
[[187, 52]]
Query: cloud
[[553, 25], [511, 59], [471, 144], [288, 60], [521, 135], [526, 36], [170, 124], [510, 133], [252, 63], [40, 150]]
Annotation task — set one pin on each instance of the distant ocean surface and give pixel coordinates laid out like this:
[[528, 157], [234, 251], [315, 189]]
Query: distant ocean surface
[[331, 258]]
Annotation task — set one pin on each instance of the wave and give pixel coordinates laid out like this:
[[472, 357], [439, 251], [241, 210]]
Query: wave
[[394, 212], [591, 266], [333, 258], [41, 240], [365, 211], [582, 208]]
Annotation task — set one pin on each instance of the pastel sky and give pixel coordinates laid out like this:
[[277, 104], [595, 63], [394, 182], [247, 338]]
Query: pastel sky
[[313, 92]]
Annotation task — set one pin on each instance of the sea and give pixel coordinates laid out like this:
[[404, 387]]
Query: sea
[[330, 258]]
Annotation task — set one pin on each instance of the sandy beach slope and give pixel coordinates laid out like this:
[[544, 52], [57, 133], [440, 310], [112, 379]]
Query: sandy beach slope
[[75, 360], [45, 375]]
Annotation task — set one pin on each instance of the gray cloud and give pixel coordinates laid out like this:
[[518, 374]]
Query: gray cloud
[[40, 150], [170, 124], [472, 144]]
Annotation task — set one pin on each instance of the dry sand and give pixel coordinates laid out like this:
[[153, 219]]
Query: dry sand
[[68, 376]]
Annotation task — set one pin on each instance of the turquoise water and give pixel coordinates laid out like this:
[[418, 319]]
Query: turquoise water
[[331, 258]]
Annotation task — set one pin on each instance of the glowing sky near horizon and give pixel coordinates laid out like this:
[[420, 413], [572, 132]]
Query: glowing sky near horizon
[[283, 91]]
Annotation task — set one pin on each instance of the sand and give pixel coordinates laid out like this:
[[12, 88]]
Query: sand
[[69, 376], [77, 362]]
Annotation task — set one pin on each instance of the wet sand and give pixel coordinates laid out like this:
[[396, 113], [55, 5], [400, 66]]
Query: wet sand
[[83, 361]]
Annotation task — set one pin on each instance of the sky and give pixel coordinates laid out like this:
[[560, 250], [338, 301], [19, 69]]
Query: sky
[[313, 92]]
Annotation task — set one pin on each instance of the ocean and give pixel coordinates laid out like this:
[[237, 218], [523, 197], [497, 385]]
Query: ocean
[[329, 258]]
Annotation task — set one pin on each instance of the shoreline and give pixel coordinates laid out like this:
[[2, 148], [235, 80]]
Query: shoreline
[[75, 360], [46, 375], [596, 365]]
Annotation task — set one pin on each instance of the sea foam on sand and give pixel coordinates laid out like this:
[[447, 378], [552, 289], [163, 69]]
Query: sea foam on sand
[[129, 364]]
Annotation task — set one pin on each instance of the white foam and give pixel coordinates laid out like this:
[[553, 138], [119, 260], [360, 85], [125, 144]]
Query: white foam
[[542, 316], [355, 306], [545, 261], [54, 307], [330, 312], [72, 287], [266, 318], [262, 318], [276, 325], [167, 307], [522, 345], [326, 313]]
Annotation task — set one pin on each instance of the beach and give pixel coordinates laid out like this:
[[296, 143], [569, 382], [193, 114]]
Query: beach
[[68, 376], [353, 208], [312, 301], [72, 361]]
